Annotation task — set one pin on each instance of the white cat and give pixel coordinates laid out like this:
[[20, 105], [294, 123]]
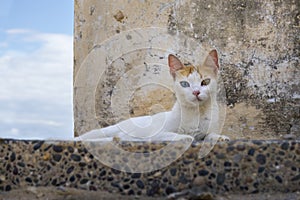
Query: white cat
[[195, 113]]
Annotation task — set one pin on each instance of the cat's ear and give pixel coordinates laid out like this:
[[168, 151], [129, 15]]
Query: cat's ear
[[212, 61], [174, 64]]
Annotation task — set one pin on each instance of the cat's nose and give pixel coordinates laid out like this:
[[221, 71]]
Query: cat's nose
[[196, 92]]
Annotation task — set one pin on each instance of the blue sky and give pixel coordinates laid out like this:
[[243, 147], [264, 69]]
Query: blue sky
[[36, 62]]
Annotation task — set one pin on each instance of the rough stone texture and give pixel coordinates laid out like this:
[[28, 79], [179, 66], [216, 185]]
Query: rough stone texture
[[260, 46], [101, 22], [258, 42], [242, 167]]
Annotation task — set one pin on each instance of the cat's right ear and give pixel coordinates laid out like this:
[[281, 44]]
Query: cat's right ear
[[212, 61], [174, 64]]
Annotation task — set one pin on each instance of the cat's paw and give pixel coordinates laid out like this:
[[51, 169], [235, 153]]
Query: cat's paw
[[218, 137], [223, 138]]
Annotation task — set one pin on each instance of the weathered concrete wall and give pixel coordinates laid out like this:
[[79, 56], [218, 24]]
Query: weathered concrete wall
[[96, 22], [258, 42]]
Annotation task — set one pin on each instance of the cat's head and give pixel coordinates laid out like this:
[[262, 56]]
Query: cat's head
[[195, 85]]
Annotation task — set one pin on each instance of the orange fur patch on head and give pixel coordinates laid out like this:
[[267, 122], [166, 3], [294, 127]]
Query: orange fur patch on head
[[187, 70]]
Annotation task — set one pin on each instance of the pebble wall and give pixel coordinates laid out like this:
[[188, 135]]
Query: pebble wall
[[234, 167]]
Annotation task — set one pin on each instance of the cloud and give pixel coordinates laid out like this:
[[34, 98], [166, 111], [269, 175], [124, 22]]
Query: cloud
[[38, 74], [17, 31], [15, 131], [31, 121], [3, 44], [36, 85]]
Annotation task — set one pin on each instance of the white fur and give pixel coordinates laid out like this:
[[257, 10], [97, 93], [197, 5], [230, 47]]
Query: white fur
[[189, 116], [196, 116]]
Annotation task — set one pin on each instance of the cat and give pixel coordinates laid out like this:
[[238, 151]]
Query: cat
[[195, 114]]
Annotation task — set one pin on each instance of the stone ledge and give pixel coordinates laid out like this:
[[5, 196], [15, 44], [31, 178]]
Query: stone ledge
[[235, 167]]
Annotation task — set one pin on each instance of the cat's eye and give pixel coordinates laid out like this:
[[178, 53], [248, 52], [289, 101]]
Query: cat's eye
[[205, 82], [184, 84]]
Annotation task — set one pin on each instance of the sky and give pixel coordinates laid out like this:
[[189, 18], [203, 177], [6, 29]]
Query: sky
[[36, 62]]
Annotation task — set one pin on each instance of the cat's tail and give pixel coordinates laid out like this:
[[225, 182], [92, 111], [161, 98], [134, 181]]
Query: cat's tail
[[111, 132], [103, 134]]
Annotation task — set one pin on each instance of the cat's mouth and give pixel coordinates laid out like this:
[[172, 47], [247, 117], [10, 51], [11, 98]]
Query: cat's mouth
[[198, 98]]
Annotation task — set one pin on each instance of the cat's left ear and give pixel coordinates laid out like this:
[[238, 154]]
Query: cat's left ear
[[212, 61], [174, 64]]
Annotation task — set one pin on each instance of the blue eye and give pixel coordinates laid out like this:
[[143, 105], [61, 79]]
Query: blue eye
[[184, 84]]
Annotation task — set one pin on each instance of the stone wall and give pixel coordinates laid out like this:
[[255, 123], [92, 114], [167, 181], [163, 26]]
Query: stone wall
[[127, 42]]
